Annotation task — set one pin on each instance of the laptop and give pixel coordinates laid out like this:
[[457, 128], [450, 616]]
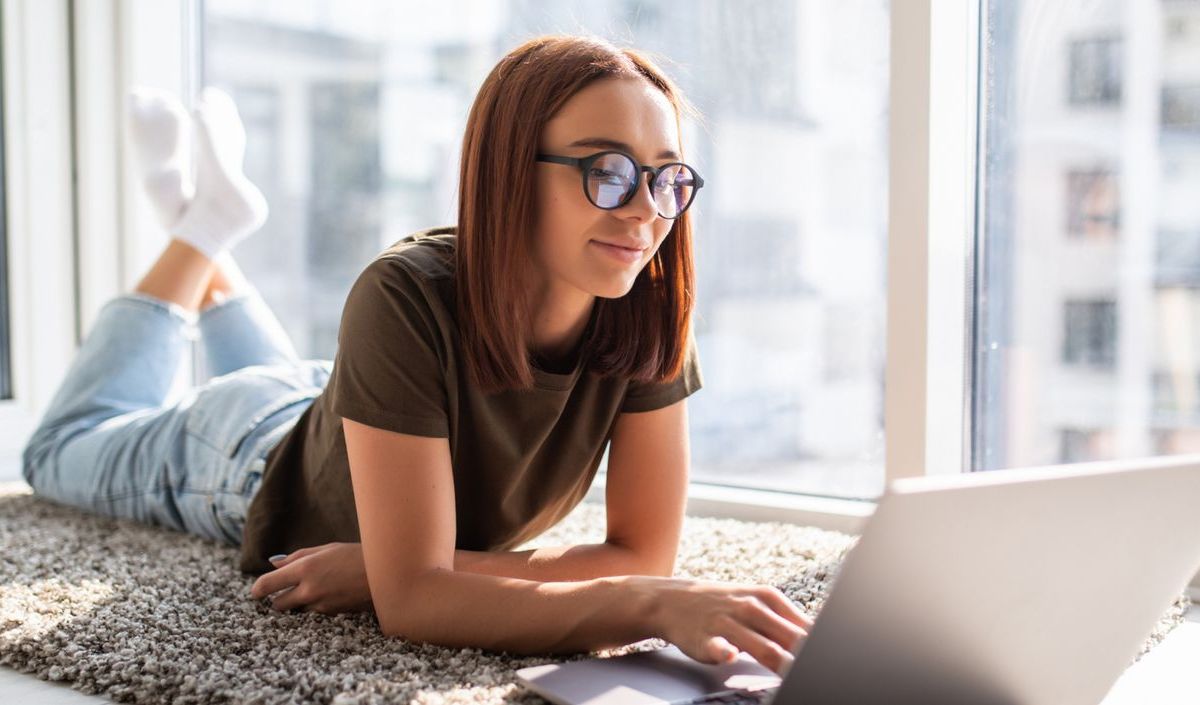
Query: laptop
[[1005, 587]]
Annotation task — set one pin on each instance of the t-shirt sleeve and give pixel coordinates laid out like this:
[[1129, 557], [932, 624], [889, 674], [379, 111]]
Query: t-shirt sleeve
[[388, 370], [647, 396]]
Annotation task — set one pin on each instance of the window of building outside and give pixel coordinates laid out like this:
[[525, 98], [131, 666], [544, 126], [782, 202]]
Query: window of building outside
[[1088, 302], [1095, 71], [355, 112], [1090, 333], [1092, 202]]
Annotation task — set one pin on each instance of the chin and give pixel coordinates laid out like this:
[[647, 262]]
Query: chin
[[614, 290]]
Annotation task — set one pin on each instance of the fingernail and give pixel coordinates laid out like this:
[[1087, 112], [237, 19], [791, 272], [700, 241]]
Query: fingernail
[[277, 557]]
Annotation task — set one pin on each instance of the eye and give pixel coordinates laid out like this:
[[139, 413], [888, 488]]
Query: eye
[[605, 175]]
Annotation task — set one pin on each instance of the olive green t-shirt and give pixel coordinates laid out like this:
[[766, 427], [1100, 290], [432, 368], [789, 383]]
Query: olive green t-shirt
[[522, 459]]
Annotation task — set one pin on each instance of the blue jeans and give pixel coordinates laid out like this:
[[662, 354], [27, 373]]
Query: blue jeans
[[112, 442]]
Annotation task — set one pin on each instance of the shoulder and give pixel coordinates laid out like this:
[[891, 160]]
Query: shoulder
[[427, 255], [420, 266]]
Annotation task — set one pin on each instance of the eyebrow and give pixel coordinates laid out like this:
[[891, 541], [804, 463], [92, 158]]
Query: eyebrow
[[606, 143]]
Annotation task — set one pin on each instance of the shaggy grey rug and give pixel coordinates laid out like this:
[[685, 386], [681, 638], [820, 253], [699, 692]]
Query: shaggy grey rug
[[149, 615]]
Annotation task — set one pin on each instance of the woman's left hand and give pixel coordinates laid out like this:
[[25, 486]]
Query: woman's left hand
[[330, 579]]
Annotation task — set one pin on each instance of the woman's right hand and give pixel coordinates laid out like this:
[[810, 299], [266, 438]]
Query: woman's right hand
[[711, 621]]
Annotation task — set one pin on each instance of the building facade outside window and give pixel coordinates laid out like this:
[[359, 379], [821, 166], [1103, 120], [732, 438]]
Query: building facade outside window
[[1088, 341]]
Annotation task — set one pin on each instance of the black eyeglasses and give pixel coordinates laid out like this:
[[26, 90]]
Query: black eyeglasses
[[611, 178]]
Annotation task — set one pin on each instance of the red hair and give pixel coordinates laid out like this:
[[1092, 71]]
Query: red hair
[[642, 335]]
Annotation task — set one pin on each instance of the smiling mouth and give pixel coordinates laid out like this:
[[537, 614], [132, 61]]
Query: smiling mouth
[[622, 247], [624, 254]]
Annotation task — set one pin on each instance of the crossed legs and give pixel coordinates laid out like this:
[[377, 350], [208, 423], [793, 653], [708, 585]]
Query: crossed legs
[[110, 439], [185, 276]]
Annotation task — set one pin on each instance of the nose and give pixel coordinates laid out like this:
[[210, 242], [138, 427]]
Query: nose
[[642, 203]]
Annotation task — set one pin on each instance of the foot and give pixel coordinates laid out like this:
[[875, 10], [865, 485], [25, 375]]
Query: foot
[[226, 206], [160, 131]]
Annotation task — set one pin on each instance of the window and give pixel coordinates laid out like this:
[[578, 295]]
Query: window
[[1092, 202], [1181, 107], [355, 113], [1087, 352], [1095, 72], [1090, 333]]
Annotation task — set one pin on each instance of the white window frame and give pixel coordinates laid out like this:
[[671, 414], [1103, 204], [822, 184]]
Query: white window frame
[[39, 210]]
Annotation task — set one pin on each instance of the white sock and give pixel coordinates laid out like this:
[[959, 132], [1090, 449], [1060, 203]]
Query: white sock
[[226, 206], [160, 131]]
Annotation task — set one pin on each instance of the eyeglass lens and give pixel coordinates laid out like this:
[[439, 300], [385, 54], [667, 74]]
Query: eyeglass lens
[[612, 177]]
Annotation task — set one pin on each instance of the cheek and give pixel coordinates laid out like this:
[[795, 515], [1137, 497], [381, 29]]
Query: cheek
[[556, 229], [564, 217]]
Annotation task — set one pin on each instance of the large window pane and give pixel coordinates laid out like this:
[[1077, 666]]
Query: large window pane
[[355, 113], [1089, 309]]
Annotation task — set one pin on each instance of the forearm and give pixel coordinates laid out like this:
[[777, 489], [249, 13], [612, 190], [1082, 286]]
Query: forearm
[[558, 563], [462, 610]]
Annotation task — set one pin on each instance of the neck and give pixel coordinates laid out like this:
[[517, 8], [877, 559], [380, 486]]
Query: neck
[[558, 324]]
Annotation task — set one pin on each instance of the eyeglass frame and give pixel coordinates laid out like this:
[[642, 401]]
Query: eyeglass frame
[[585, 163]]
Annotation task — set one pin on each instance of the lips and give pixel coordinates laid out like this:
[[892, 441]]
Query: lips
[[635, 246]]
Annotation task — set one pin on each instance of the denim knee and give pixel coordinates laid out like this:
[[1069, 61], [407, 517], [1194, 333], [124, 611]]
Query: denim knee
[[37, 447]]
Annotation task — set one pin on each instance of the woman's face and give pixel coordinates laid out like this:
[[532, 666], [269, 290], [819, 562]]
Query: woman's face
[[627, 114]]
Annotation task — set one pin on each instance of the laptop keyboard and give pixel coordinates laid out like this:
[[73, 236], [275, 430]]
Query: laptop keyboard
[[741, 697]]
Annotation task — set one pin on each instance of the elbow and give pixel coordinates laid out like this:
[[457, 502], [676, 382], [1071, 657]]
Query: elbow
[[392, 630], [397, 617], [646, 561], [656, 566]]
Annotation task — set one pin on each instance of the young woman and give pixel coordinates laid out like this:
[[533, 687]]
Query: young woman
[[481, 371]]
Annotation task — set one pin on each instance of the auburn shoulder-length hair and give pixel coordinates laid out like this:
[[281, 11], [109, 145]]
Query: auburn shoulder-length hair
[[643, 335]]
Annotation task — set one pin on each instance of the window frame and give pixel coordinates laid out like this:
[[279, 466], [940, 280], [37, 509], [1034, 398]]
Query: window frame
[[38, 199]]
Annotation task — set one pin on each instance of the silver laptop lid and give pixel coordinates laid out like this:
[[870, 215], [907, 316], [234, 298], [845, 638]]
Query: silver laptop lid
[[1036, 585]]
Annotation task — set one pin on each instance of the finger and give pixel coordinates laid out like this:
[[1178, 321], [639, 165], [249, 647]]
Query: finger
[[762, 619], [286, 600], [295, 555], [273, 581], [719, 650], [784, 606], [765, 651]]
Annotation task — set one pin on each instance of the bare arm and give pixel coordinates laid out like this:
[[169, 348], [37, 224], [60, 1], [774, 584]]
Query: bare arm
[[404, 492], [527, 617], [403, 489], [556, 563]]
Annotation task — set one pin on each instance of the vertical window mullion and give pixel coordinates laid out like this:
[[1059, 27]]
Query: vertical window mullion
[[97, 128]]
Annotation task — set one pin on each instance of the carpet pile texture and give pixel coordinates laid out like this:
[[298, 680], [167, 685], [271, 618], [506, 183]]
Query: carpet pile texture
[[144, 614]]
